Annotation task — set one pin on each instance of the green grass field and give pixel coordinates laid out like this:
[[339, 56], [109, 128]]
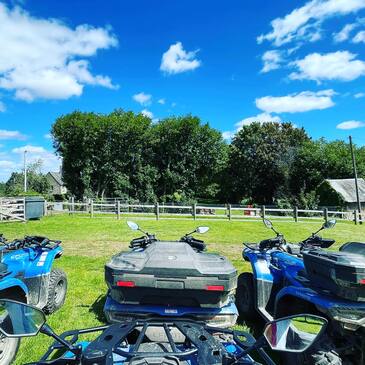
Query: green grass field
[[89, 243]]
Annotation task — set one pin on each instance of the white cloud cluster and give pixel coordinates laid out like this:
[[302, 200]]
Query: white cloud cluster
[[162, 101], [142, 98], [304, 23], [359, 37], [272, 60], [340, 65], [350, 124], [44, 58], [176, 60], [344, 33], [260, 118], [359, 95], [11, 135], [299, 102], [147, 113]]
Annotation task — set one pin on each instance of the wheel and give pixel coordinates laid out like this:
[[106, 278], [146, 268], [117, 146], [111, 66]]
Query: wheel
[[245, 292], [57, 289], [322, 353], [8, 349]]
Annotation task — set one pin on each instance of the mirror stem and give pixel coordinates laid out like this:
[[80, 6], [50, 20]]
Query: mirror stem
[[47, 330], [257, 346]]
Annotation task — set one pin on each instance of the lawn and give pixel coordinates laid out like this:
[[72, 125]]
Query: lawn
[[89, 243]]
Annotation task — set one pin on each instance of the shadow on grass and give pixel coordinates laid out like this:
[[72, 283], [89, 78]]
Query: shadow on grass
[[97, 308]]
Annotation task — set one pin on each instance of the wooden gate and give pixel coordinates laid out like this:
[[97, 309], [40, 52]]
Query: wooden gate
[[12, 209]]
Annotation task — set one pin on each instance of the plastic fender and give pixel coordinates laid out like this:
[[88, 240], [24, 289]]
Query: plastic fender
[[42, 264], [9, 282], [260, 265]]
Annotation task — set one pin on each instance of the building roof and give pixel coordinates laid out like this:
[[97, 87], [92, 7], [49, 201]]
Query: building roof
[[57, 177], [346, 188]]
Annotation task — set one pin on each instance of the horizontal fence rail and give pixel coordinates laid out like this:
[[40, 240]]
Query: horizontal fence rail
[[202, 211], [12, 209]]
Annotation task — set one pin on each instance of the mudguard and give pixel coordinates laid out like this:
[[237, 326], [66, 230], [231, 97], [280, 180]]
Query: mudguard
[[9, 283]]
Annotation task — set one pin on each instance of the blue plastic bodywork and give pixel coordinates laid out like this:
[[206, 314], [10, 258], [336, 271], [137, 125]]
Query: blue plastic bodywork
[[28, 269], [286, 272]]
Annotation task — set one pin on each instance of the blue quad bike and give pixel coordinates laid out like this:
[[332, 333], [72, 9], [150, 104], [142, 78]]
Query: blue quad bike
[[27, 276], [172, 279], [287, 279], [160, 341]]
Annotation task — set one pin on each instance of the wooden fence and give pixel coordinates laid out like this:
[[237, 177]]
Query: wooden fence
[[194, 211], [12, 209]]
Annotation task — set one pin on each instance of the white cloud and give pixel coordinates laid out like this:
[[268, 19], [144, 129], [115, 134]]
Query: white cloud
[[12, 135], [45, 58], [50, 162], [304, 23], [176, 60], [48, 136], [272, 60], [359, 37], [142, 98], [29, 148], [7, 165], [344, 33], [161, 101], [350, 124], [296, 103], [340, 65], [260, 118], [359, 95], [147, 113]]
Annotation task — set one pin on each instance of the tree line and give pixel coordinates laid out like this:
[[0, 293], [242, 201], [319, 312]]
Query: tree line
[[123, 154]]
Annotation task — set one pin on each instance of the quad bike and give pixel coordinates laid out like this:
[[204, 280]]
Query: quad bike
[[159, 341], [170, 278], [295, 278], [26, 275]]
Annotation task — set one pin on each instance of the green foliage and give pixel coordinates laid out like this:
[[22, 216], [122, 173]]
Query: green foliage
[[37, 183], [122, 154], [260, 160]]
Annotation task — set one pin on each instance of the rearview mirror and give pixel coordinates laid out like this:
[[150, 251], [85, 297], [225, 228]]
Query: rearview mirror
[[267, 223], [202, 230], [294, 334], [133, 226], [329, 224], [19, 319]]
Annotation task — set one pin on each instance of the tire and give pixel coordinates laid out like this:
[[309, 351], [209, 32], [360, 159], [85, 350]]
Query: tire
[[57, 289], [8, 349], [322, 353], [245, 296]]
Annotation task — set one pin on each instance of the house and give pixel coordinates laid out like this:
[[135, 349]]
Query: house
[[55, 179], [341, 193]]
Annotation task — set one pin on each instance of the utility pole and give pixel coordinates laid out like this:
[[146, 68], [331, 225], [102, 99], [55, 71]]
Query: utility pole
[[355, 175], [25, 171]]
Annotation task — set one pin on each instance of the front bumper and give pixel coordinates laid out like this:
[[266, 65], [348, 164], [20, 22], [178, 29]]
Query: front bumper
[[221, 317]]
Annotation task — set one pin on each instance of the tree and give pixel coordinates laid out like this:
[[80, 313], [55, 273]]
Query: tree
[[259, 163], [188, 157], [105, 155], [37, 183], [320, 160]]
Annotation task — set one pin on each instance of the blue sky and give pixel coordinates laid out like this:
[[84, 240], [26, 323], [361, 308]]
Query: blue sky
[[229, 62]]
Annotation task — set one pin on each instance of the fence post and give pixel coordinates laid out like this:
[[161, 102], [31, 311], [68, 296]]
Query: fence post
[[92, 208], [45, 213], [118, 209], [325, 214], [355, 216], [194, 211], [263, 213], [1, 209], [73, 205], [157, 211], [229, 211], [295, 214]]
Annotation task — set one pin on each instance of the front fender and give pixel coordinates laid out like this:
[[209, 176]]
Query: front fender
[[42, 265], [9, 283]]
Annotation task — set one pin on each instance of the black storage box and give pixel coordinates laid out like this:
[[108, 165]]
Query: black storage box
[[342, 273], [170, 273]]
